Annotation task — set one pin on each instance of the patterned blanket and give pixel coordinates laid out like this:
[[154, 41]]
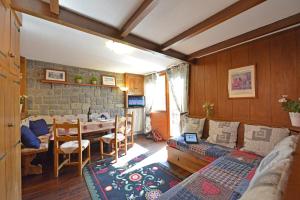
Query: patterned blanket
[[226, 178], [204, 150]]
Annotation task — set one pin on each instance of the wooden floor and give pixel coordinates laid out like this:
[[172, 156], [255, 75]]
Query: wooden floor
[[71, 186]]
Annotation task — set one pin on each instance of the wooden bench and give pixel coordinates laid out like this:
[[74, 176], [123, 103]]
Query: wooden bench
[[28, 154]]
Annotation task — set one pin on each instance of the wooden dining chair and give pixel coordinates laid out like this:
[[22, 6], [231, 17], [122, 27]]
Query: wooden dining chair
[[68, 143], [130, 127], [116, 140]]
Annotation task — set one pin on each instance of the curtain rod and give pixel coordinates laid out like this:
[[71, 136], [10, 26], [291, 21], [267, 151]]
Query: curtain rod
[[170, 66]]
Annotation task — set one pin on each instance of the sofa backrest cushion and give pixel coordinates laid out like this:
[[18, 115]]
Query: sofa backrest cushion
[[192, 125], [29, 139], [270, 184], [39, 127], [262, 139], [223, 133], [283, 150]]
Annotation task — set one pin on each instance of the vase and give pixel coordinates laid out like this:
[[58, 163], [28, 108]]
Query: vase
[[94, 82], [295, 119], [78, 81]]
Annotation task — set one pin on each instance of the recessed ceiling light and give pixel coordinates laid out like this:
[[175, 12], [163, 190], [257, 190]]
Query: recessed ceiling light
[[119, 48]]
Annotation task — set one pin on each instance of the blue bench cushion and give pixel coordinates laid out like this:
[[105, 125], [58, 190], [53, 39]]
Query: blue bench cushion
[[29, 139], [39, 127]]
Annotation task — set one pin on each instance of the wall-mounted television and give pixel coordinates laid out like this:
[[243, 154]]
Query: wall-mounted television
[[135, 101]]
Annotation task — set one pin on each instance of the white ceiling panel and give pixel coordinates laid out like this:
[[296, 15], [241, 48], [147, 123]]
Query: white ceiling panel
[[112, 12], [261, 15], [50, 42], [171, 17]]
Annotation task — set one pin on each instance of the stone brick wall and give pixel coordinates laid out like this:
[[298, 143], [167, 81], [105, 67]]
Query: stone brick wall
[[47, 99]]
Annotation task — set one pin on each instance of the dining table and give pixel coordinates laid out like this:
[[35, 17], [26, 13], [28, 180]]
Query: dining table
[[91, 130]]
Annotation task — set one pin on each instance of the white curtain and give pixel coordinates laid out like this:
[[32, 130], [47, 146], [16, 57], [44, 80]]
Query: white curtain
[[178, 77], [150, 87]]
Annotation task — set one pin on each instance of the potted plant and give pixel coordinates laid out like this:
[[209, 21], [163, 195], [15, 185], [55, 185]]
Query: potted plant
[[208, 108], [293, 107], [94, 80], [78, 79]]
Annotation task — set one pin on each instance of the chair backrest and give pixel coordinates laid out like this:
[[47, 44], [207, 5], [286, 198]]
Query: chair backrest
[[130, 121], [120, 127], [120, 124], [66, 135]]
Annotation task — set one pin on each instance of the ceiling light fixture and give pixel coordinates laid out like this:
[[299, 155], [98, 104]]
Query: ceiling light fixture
[[119, 48]]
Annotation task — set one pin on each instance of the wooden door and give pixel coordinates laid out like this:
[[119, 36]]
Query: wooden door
[[14, 53], [12, 138], [16, 138], [4, 36], [160, 118], [3, 81]]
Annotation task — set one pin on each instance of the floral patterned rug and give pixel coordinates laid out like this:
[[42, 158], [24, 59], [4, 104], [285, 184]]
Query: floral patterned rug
[[105, 181]]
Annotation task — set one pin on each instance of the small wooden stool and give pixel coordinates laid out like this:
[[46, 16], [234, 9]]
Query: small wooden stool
[[28, 154]]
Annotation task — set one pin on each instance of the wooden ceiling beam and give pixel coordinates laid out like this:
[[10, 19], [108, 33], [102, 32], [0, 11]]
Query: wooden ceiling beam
[[6, 3], [54, 6], [71, 19], [212, 21], [145, 8], [260, 32]]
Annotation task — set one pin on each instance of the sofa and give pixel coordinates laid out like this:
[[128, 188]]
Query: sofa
[[258, 169]]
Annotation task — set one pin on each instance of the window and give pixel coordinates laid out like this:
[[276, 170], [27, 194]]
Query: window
[[159, 102]]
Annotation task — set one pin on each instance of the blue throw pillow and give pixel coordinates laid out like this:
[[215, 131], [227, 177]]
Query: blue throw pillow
[[29, 139], [39, 127]]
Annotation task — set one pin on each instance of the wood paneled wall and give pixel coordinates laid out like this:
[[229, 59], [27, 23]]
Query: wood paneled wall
[[277, 60]]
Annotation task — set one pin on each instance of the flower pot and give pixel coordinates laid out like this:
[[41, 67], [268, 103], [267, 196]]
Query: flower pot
[[94, 82], [78, 81], [295, 119]]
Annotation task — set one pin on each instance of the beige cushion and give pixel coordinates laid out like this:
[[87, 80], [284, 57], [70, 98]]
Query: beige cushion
[[223, 133], [270, 184], [107, 138], [262, 139], [282, 151], [192, 125], [71, 146], [290, 141]]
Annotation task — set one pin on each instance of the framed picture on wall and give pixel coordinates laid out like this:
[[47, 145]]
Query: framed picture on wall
[[241, 82], [109, 80], [55, 75]]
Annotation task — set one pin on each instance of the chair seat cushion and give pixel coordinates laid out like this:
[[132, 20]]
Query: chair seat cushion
[[70, 147], [107, 138]]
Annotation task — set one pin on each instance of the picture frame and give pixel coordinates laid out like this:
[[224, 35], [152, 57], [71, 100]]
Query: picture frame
[[241, 82], [108, 80], [191, 138], [55, 75]]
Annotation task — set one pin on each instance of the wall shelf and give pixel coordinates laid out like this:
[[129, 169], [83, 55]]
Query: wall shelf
[[78, 84]]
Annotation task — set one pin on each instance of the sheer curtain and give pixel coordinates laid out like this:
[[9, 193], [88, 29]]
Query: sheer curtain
[[178, 77], [150, 87]]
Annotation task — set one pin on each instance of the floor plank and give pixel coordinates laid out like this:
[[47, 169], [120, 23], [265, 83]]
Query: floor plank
[[71, 186]]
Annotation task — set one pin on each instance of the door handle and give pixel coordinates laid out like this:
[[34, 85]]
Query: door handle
[[10, 125]]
